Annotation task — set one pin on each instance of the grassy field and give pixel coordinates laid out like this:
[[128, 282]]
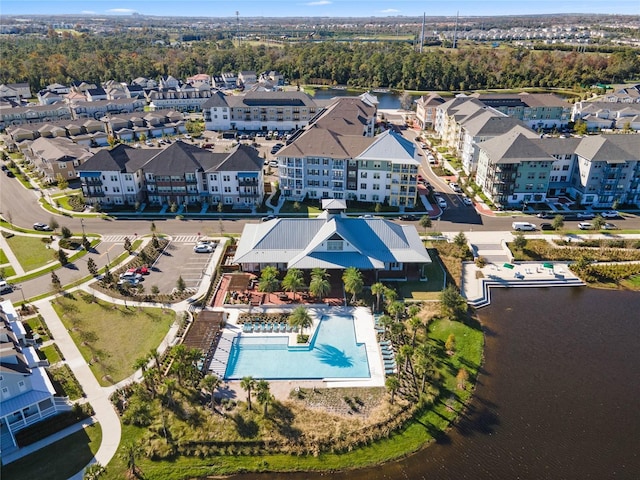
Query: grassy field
[[3, 257], [112, 337], [51, 352], [31, 252], [428, 424], [56, 462]]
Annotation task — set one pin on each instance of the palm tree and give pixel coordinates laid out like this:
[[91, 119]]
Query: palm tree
[[210, 383], [396, 308], [385, 321], [293, 281], [377, 289], [392, 383], [129, 455], [300, 319], [319, 285], [353, 283], [269, 280], [93, 472], [415, 324], [141, 364], [248, 383], [390, 295], [151, 378], [263, 394]]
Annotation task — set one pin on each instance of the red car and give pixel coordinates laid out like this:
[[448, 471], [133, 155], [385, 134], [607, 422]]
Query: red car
[[144, 270]]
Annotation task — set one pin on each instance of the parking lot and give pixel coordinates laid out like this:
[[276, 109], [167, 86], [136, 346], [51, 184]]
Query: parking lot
[[178, 260]]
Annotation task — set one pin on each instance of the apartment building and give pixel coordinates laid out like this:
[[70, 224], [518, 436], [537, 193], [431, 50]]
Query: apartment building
[[426, 107], [254, 111], [11, 115]]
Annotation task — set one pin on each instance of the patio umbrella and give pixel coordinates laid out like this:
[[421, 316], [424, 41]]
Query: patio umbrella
[[509, 266], [548, 265]]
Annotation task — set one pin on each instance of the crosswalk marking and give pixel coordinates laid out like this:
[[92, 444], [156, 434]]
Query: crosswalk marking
[[176, 238]]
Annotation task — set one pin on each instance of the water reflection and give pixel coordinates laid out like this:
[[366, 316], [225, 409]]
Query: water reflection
[[557, 399]]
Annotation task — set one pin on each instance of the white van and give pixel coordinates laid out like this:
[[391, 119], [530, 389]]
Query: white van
[[523, 226]]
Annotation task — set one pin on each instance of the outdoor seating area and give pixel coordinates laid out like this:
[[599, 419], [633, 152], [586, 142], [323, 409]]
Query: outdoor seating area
[[388, 357], [266, 327]]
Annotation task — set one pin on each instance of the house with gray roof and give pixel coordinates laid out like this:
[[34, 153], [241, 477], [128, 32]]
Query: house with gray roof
[[333, 242], [27, 395], [426, 109], [56, 156]]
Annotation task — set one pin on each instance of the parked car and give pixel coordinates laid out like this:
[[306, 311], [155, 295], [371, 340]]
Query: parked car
[[442, 203], [609, 226], [203, 248], [586, 215], [546, 226], [9, 174], [610, 214], [467, 201], [43, 227], [273, 163], [130, 275], [585, 226], [143, 270], [545, 215], [455, 187], [5, 287], [432, 160], [4, 168], [409, 218], [268, 217], [131, 281]]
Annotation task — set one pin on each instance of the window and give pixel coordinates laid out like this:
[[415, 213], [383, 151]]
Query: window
[[334, 245], [376, 175], [363, 186], [363, 174], [376, 186], [363, 197], [226, 178]]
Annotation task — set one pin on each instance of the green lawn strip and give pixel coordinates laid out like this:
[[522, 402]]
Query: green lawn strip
[[55, 266], [52, 209], [52, 354], [3, 257], [110, 337], [31, 252], [304, 208], [7, 271], [63, 459], [65, 382], [415, 435]]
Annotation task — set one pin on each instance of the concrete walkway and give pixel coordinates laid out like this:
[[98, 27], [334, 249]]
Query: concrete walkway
[[95, 394]]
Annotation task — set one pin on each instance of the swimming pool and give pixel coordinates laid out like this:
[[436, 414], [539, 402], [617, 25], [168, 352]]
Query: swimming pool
[[332, 353]]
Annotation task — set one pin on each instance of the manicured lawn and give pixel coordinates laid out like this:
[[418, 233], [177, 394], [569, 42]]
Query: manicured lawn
[[63, 459], [31, 252], [51, 353], [3, 257], [305, 208], [432, 421], [7, 271], [111, 337]]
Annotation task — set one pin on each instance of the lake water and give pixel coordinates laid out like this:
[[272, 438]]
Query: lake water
[[386, 100], [557, 399]]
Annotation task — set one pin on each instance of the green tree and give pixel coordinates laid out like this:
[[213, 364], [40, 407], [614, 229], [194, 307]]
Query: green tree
[[580, 127], [62, 257], [377, 289], [210, 384], [353, 283], [450, 343], [396, 309], [293, 281], [425, 222], [152, 227], [558, 222], [598, 222], [263, 395], [127, 244], [65, 232], [55, 282], [62, 182], [519, 241], [452, 303], [460, 240], [53, 223], [92, 267], [130, 454], [86, 244], [180, 284], [392, 383], [269, 279], [319, 285], [247, 384], [300, 319]]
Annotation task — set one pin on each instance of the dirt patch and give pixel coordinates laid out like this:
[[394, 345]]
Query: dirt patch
[[348, 402]]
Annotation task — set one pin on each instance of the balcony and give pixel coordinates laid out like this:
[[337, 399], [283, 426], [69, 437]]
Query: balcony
[[248, 183]]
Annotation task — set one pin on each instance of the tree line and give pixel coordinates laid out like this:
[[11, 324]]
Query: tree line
[[41, 61]]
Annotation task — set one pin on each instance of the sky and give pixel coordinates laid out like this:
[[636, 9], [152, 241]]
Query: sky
[[316, 8]]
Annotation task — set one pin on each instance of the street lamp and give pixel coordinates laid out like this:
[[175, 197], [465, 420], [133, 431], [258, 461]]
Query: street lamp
[[108, 260], [19, 287], [82, 223]]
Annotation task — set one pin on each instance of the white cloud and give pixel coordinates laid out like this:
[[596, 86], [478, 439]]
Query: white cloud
[[121, 10], [390, 10], [88, 12], [320, 2]]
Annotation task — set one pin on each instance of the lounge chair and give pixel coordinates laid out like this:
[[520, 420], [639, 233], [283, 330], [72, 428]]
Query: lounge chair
[[276, 328], [247, 328]]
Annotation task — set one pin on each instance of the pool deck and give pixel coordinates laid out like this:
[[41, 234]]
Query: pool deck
[[364, 332]]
